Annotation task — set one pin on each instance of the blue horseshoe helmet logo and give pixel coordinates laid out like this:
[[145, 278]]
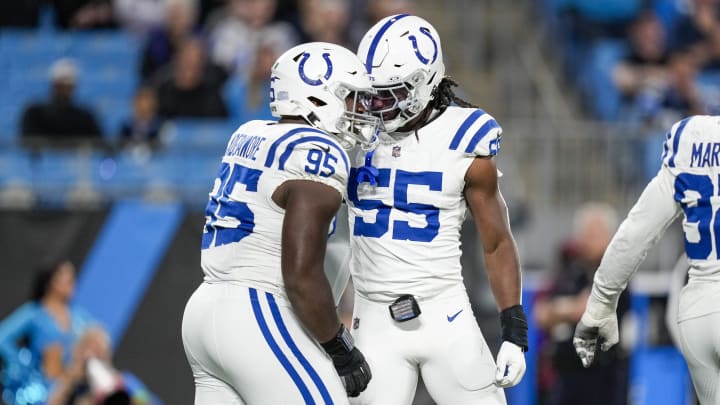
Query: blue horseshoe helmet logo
[[420, 56], [316, 82]]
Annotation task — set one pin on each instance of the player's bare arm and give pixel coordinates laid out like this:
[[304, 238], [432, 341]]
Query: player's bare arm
[[491, 220], [503, 266], [309, 209]]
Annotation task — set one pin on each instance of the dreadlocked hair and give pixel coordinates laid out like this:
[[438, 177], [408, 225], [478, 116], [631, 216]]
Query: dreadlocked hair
[[443, 95]]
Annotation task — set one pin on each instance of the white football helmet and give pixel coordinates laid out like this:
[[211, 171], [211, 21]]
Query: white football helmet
[[403, 56], [327, 85]]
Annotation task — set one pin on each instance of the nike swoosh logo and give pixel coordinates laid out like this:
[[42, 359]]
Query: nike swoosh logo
[[323, 148], [452, 317]]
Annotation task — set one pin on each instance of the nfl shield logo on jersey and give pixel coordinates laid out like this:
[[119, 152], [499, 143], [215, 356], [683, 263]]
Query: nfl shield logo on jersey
[[396, 151]]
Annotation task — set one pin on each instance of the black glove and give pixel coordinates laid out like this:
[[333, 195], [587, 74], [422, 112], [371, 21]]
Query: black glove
[[349, 362]]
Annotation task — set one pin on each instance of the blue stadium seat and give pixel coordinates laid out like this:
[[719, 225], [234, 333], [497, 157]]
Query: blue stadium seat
[[607, 10], [103, 43], [708, 83], [56, 172], [196, 174], [15, 167], [110, 111], [92, 87], [235, 93], [120, 175], [596, 81], [667, 11], [202, 134]]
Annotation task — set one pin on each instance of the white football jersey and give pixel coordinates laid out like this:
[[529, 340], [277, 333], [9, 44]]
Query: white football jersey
[[692, 156], [688, 182], [242, 234], [405, 228]]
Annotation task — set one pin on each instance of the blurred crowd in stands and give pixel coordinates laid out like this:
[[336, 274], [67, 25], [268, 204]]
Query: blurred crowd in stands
[[149, 85], [197, 59], [641, 63], [115, 98]]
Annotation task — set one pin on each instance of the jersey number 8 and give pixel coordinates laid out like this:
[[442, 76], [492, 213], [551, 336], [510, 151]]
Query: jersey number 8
[[699, 212]]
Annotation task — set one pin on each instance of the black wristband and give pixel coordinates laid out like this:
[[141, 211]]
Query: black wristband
[[342, 342], [514, 326]]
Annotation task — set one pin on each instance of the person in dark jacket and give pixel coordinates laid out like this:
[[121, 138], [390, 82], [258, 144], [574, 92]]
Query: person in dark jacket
[[60, 118], [191, 87]]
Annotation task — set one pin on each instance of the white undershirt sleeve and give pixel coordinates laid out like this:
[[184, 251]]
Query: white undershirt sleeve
[[647, 221]]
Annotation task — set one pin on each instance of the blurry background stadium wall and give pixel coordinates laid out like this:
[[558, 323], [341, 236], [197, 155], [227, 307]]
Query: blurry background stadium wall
[[583, 100]]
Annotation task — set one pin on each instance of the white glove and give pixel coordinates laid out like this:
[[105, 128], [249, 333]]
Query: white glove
[[509, 357], [599, 321]]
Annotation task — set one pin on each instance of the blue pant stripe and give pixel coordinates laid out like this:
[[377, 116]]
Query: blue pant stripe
[[276, 349], [296, 351]]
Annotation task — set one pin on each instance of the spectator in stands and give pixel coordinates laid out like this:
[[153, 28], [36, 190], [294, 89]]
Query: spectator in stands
[[144, 127], [249, 95], [48, 326], [559, 309], [191, 87], [84, 14], [326, 21], [163, 42], [141, 16], [650, 79], [60, 118], [234, 33], [93, 379], [208, 7], [371, 12], [698, 34]]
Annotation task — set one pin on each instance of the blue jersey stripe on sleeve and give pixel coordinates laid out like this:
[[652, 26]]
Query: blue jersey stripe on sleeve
[[464, 127], [676, 140], [376, 40], [288, 151], [665, 145], [260, 318], [296, 351], [276, 144], [480, 134]]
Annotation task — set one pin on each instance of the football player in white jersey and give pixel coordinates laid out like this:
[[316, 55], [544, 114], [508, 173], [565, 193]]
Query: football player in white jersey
[[407, 201], [255, 329], [688, 183]]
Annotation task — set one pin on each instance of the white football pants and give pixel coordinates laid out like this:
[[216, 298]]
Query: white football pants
[[246, 346], [444, 344], [700, 345]]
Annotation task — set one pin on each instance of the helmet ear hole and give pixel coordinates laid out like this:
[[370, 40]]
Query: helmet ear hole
[[316, 101]]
